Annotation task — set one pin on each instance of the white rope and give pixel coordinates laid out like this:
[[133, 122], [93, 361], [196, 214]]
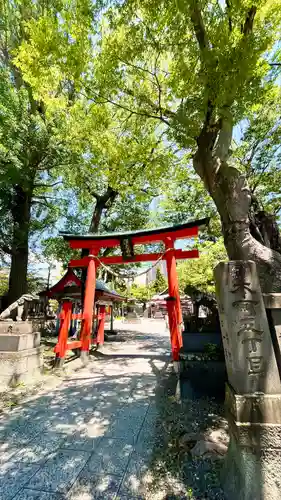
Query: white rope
[[130, 275]]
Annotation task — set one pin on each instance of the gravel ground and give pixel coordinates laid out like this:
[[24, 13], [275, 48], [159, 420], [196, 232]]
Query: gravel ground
[[173, 468]]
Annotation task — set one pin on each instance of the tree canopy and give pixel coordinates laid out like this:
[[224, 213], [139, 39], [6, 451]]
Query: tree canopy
[[197, 274], [125, 101]]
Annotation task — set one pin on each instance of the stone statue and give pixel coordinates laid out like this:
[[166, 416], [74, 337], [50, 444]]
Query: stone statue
[[19, 305]]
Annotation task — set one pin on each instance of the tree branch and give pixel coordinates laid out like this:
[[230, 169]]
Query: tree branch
[[158, 83], [140, 113], [132, 111], [94, 194], [277, 209], [44, 197], [135, 66], [197, 21], [47, 185], [228, 8], [104, 201], [260, 176], [249, 22], [44, 204], [6, 249]]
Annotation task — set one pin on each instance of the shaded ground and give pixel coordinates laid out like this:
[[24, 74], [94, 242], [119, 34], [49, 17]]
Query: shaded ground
[[111, 430]]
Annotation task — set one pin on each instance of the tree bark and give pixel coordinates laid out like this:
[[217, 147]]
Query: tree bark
[[232, 196], [21, 213], [96, 217], [102, 202]]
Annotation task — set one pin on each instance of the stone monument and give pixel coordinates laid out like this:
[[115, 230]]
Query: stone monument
[[21, 357], [252, 468]]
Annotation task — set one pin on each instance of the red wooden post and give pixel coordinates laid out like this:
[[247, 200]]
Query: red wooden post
[[111, 318], [100, 334], [60, 348], [176, 337], [87, 322], [173, 327]]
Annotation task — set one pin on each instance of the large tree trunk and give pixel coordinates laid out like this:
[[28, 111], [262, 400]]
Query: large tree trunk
[[21, 212], [239, 242], [96, 217], [232, 196], [102, 202]]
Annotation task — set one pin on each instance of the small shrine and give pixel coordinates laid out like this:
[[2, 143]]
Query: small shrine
[[68, 292], [70, 286]]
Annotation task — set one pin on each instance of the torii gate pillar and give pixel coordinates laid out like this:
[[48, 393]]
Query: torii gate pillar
[[173, 304], [87, 322]]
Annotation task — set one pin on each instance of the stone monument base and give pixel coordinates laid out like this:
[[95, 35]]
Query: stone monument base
[[252, 469], [20, 367], [21, 357]]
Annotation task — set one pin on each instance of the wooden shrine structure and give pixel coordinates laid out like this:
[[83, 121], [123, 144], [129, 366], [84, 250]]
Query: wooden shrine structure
[[93, 243], [68, 292], [71, 286]]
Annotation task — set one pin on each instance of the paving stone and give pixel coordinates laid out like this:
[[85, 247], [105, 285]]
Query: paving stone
[[61, 418], [62, 421], [21, 412], [13, 476], [128, 496], [135, 410], [145, 446], [7, 451], [111, 457], [147, 436], [60, 471], [81, 441], [151, 420], [137, 399], [136, 477], [98, 427], [27, 494], [103, 419], [153, 408], [125, 428], [19, 433], [43, 399], [39, 447], [89, 487], [144, 392]]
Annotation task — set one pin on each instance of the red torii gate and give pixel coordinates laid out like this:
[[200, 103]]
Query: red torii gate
[[127, 241]]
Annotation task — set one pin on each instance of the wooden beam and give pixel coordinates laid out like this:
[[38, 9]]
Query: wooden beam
[[146, 257], [183, 233], [75, 344]]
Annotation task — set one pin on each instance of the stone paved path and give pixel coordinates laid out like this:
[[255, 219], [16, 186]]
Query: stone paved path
[[91, 437]]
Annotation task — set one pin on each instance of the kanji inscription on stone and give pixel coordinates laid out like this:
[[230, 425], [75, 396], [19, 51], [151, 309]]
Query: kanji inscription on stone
[[249, 355], [255, 365]]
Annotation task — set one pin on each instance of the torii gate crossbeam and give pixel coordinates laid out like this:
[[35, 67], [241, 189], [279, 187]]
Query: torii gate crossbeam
[[127, 241]]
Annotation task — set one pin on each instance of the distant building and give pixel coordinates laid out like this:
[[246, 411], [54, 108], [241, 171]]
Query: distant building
[[140, 280], [157, 306], [151, 275]]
